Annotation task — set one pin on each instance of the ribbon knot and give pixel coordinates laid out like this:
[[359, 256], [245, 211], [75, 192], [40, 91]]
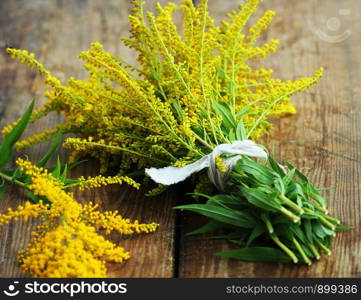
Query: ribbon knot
[[172, 175]]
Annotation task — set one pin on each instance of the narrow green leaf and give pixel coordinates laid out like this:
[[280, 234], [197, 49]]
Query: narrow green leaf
[[257, 231], [221, 73], [64, 174], [70, 182], [264, 254], [318, 230], [178, 109], [238, 235], [308, 230], [275, 166], [244, 111], [241, 133], [326, 188], [280, 186], [209, 227], [53, 147], [227, 200], [235, 218], [288, 178], [298, 173], [224, 111], [13, 136], [260, 172], [17, 174], [232, 135], [261, 199], [57, 170], [341, 228]]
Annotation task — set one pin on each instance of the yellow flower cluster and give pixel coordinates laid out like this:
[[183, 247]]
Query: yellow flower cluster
[[67, 243], [220, 165], [100, 180], [163, 112]]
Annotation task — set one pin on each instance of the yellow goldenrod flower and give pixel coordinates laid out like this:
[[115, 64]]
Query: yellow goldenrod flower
[[220, 165], [163, 112], [67, 244]]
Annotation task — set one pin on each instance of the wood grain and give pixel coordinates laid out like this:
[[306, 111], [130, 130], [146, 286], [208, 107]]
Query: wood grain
[[323, 139], [57, 31]]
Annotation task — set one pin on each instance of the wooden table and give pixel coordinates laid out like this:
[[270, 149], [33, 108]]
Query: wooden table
[[324, 138]]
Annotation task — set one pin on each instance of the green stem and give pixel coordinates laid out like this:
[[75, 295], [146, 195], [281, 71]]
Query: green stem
[[290, 215], [327, 223], [323, 247], [314, 250], [284, 248], [331, 219], [123, 149], [300, 250], [291, 204], [8, 178], [268, 223]]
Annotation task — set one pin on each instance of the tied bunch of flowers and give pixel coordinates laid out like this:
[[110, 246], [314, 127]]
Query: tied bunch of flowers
[[68, 242], [196, 101]]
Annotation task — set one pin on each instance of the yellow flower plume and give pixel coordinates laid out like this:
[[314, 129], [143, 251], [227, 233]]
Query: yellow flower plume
[[67, 243]]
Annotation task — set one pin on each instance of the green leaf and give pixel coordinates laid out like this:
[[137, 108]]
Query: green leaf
[[178, 109], [318, 230], [342, 228], [241, 132], [238, 235], [256, 232], [308, 230], [232, 217], [288, 178], [280, 186], [326, 188], [296, 229], [244, 111], [224, 111], [64, 174], [70, 182], [232, 135], [275, 166], [57, 170], [13, 136], [264, 254], [221, 73], [209, 227], [227, 200], [17, 174], [298, 173], [314, 194], [294, 189], [260, 172], [53, 147], [260, 199]]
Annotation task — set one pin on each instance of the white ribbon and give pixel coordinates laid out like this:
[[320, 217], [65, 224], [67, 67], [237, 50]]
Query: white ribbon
[[172, 175]]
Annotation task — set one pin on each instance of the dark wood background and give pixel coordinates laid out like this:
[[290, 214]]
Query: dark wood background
[[323, 138]]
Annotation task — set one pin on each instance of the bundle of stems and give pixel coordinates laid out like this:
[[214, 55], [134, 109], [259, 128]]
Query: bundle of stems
[[272, 214]]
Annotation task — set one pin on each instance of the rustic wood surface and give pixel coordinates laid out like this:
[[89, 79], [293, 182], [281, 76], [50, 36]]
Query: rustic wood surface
[[323, 138]]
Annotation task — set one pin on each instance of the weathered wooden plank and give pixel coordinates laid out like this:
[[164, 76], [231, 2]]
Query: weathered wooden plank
[[57, 30], [323, 138]]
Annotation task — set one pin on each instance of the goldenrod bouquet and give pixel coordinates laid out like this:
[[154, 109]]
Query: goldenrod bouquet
[[197, 100]]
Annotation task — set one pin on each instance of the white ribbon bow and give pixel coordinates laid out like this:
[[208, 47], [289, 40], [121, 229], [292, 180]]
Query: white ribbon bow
[[172, 175]]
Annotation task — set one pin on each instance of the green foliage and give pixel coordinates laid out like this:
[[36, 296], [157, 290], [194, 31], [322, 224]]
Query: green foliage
[[6, 147], [271, 214], [16, 176]]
